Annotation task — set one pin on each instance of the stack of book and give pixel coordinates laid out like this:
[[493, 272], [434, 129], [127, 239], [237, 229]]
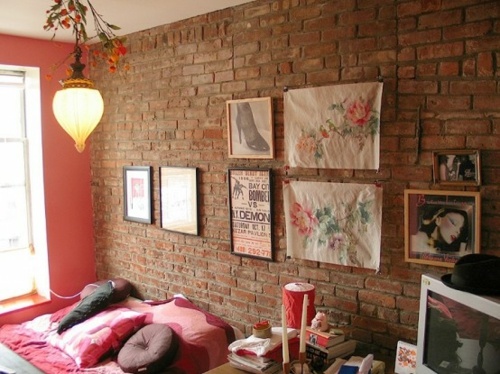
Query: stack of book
[[254, 364], [323, 347]]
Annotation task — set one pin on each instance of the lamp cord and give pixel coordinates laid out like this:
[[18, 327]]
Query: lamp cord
[[64, 297]]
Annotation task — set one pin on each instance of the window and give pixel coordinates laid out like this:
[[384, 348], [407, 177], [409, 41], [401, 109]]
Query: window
[[23, 248]]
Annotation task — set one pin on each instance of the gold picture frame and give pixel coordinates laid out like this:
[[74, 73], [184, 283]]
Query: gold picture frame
[[250, 128], [457, 167], [441, 226]]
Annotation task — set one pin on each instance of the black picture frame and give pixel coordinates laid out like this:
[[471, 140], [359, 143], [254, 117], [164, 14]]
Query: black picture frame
[[137, 205], [250, 212]]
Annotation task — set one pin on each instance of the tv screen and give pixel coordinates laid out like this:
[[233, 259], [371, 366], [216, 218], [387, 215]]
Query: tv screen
[[458, 332]]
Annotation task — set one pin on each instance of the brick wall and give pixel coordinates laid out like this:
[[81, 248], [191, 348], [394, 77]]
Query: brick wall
[[439, 62]]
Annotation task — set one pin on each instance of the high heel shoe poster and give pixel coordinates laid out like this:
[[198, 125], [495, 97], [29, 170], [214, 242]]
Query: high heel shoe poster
[[333, 127], [250, 128]]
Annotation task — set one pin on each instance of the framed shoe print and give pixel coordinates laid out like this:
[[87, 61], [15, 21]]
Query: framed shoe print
[[250, 128]]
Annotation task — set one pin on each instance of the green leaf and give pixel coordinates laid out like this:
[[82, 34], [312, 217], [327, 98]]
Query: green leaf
[[84, 33], [113, 27], [81, 9]]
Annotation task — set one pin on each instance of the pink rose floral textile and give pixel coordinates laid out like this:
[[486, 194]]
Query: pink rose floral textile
[[333, 127], [337, 223]]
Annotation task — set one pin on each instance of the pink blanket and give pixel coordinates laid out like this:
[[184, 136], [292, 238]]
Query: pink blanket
[[203, 338]]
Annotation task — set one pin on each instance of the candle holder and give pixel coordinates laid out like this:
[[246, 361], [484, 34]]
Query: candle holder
[[301, 366], [286, 368], [302, 358]]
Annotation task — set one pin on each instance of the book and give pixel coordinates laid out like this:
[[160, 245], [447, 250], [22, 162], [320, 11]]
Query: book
[[378, 367], [321, 358], [245, 364], [346, 348], [253, 358], [324, 338]]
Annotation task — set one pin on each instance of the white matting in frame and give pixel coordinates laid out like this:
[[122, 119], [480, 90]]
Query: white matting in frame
[[137, 194], [178, 199], [250, 128]]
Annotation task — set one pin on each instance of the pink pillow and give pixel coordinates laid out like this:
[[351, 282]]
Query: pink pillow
[[87, 342]]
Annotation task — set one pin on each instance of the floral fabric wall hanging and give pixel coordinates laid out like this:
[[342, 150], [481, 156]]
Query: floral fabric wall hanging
[[338, 223], [334, 127]]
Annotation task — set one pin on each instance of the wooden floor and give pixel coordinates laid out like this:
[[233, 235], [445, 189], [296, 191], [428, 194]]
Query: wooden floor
[[19, 365]]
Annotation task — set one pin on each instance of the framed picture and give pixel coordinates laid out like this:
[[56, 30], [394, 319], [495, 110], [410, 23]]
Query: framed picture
[[250, 128], [250, 201], [457, 167], [441, 226], [179, 199], [137, 193], [406, 358]]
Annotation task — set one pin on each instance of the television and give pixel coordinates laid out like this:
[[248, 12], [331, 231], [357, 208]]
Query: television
[[458, 332]]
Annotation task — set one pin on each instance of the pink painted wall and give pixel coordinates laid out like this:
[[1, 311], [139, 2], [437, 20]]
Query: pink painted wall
[[67, 182]]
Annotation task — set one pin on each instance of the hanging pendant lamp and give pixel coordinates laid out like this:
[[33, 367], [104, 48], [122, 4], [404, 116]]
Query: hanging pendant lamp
[[78, 106]]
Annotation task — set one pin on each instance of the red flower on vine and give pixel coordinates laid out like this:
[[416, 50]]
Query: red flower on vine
[[73, 14]]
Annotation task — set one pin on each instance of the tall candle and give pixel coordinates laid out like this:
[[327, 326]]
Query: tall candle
[[286, 356], [303, 324]]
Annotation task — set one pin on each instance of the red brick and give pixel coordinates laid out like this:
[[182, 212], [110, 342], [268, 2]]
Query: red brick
[[170, 109]]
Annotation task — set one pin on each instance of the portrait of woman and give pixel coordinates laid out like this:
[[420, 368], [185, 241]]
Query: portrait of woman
[[442, 229], [448, 168], [457, 167], [441, 226]]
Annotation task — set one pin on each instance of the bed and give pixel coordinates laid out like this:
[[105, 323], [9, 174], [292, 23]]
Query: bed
[[125, 336]]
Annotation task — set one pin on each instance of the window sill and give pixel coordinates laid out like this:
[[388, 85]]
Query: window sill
[[20, 303]]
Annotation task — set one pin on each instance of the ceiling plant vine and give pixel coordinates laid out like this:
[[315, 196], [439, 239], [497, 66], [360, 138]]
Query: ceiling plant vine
[[72, 14], [78, 106]]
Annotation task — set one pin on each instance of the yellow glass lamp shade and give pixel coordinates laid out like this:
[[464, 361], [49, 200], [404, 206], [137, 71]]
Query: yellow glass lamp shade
[[78, 110]]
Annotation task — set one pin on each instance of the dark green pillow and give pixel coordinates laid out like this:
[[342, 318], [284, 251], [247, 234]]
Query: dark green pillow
[[89, 306]]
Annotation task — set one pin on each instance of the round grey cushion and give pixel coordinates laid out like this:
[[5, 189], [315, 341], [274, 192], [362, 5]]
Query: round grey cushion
[[149, 350]]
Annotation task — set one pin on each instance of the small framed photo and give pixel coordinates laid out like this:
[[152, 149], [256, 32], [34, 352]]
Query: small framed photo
[[137, 194], [441, 226], [250, 128], [457, 167], [250, 202], [179, 199], [406, 358]]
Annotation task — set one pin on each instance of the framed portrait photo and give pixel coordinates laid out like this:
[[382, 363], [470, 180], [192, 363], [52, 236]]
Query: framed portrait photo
[[137, 194], [441, 226], [457, 167], [179, 199], [250, 202], [250, 128]]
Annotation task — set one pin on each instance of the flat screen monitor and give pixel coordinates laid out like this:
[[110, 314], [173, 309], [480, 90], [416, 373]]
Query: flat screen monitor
[[458, 332]]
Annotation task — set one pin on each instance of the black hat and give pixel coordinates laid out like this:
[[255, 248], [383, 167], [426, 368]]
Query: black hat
[[475, 273]]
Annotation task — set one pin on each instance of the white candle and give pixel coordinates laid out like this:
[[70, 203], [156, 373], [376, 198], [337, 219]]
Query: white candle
[[286, 356], [302, 345]]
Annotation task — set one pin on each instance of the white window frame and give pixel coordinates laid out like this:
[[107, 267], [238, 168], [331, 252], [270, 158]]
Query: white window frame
[[35, 182]]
